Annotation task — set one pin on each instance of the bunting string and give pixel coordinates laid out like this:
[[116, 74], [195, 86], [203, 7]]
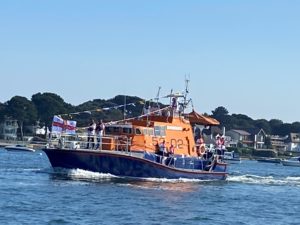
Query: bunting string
[[141, 116], [97, 110]]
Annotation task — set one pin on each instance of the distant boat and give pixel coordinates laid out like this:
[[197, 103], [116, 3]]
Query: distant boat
[[269, 160], [18, 148], [293, 161], [231, 157]]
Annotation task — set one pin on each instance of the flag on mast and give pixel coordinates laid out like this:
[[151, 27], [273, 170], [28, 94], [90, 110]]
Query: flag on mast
[[60, 125]]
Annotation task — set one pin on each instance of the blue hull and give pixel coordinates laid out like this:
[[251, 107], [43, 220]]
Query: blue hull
[[127, 166]]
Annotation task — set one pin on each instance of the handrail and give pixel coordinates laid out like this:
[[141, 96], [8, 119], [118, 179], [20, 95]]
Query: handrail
[[68, 141]]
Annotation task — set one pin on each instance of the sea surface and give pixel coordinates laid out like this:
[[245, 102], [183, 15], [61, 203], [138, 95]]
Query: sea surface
[[254, 193]]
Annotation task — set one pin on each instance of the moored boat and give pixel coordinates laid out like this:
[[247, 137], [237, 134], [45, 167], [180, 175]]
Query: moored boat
[[269, 160], [231, 157], [158, 144], [293, 161], [19, 148]]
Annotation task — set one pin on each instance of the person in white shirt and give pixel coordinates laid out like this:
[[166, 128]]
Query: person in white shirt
[[91, 135], [99, 134]]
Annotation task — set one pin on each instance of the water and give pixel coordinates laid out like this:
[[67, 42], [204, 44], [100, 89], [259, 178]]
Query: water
[[255, 193]]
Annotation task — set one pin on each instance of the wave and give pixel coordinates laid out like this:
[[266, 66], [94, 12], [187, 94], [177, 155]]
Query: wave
[[179, 180], [20, 170], [265, 180], [79, 174], [84, 175]]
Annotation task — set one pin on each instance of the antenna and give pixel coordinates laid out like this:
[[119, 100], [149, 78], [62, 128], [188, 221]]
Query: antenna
[[157, 96], [187, 80], [171, 92], [124, 113]]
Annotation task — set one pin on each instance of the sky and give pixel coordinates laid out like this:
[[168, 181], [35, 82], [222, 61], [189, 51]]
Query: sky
[[243, 55]]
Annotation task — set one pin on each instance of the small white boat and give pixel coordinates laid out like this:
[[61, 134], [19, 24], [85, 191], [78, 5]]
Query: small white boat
[[293, 161], [19, 148], [231, 157]]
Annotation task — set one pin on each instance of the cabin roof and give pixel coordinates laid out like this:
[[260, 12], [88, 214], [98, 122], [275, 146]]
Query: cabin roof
[[197, 118]]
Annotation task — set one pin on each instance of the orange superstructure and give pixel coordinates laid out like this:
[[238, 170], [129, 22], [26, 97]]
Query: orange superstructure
[[148, 132]]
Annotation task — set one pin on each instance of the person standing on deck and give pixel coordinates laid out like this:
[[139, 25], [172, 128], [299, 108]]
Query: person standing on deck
[[222, 146], [163, 152], [174, 106], [218, 142], [91, 135], [99, 134], [162, 148], [171, 150], [218, 147]]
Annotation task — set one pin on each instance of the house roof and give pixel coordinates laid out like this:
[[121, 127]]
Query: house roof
[[241, 132], [255, 131]]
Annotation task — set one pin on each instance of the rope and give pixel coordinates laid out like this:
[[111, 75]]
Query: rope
[[97, 110], [137, 117], [128, 119]]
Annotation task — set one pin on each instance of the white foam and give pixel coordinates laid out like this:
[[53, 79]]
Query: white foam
[[83, 174], [269, 180], [179, 180]]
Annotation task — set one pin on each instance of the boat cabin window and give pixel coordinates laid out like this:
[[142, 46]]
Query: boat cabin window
[[127, 130], [148, 131], [151, 131], [112, 130], [138, 131], [160, 130]]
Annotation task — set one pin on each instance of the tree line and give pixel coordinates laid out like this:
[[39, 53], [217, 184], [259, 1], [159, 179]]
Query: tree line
[[241, 121], [43, 106]]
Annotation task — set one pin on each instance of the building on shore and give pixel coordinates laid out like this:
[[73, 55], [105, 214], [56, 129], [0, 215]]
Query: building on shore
[[8, 129]]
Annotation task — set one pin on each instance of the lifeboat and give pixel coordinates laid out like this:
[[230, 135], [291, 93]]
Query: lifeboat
[[158, 144]]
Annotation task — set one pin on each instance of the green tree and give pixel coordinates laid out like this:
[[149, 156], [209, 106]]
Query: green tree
[[219, 112], [263, 124], [48, 105], [2, 112], [275, 125], [23, 110], [284, 129], [242, 121], [295, 127]]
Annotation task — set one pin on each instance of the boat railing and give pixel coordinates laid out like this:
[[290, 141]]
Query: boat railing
[[184, 162], [83, 141]]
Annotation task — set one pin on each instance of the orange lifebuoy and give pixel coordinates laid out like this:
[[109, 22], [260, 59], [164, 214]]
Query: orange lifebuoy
[[202, 149]]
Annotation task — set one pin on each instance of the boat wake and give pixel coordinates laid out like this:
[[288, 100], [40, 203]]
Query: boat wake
[[84, 175], [180, 180], [267, 180], [79, 174]]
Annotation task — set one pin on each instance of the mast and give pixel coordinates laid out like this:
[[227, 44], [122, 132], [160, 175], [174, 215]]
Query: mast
[[185, 102], [157, 97], [124, 113]]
